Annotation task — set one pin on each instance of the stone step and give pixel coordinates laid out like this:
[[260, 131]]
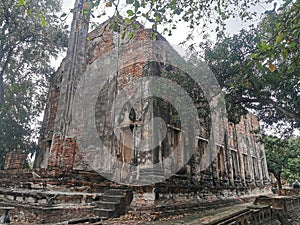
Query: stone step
[[107, 205], [148, 179], [117, 192], [113, 202], [196, 207], [48, 197], [85, 220], [112, 198], [104, 213], [231, 218]]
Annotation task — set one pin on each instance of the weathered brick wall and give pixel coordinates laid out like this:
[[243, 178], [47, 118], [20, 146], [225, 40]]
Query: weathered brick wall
[[15, 160], [244, 155], [58, 151], [240, 160]]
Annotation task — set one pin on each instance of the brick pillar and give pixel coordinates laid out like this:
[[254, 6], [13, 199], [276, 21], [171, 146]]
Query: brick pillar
[[15, 160], [63, 153], [69, 151], [55, 153]]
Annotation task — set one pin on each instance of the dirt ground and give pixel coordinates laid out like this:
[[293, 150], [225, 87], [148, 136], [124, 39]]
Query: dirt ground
[[198, 218], [189, 219]]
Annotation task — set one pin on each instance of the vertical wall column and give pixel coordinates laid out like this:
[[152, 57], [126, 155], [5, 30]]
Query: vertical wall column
[[63, 150]]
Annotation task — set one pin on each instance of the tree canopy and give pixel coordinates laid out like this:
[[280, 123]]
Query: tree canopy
[[259, 68], [283, 157], [29, 37]]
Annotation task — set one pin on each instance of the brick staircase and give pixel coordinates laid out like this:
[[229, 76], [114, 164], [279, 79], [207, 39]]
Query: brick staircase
[[113, 202], [70, 197]]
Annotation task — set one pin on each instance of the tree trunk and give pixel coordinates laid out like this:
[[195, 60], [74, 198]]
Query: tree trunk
[[278, 177], [4, 66]]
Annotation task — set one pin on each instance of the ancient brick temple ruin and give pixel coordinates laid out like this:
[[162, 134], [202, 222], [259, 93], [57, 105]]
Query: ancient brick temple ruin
[[143, 151], [131, 127], [237, 165]]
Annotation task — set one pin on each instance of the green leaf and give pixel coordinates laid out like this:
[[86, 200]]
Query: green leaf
[[259, 65], [127, 20], [123, 34], [278, 25], [130, 34], [115, 27], [29, 12], [136, 26], [285, 53], [21, 2], [277, 39], [154, 36], [85, 12], [63, 15], [43, 22], [130, 12], [136, 5], [246, 84], [177, 11], [129, 1], [253, 56], [157, 18], [263, 45]]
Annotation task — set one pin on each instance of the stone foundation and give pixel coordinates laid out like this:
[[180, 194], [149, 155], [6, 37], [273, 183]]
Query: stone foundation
[[289, 192], [163, 196]]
